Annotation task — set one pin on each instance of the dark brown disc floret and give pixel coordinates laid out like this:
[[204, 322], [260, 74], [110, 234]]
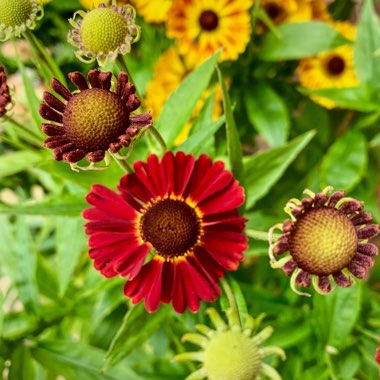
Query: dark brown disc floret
[[88, 123], [5, 97]]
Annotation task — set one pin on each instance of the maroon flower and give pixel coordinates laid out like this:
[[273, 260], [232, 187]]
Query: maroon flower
[[327, 240], [183, 211], [5, 97], [92, 120]]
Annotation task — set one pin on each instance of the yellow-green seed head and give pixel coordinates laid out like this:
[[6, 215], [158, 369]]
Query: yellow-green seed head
[[15, 12], [232, 355], [103, 30], [323, 241]]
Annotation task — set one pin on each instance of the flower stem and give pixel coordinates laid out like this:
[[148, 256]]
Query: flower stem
[[158, 137], [259, 235], [123, 164], [32, 135], [230, 296]]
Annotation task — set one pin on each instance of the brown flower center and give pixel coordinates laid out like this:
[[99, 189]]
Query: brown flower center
[[171, 226], [335, 65], [275, 12], [323, 241], [208, 20], [94, 118]]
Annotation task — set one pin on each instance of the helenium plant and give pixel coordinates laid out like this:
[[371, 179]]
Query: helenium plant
[[148, 152]]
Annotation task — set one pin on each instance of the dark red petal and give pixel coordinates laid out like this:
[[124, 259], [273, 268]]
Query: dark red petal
[[93, 78], [180, 168], [366, 261], [307, 203], [168, 279], [201, 166], [60, 150], [105, 80], [107, 200], [287, 226], [53, 102], [49, 113], [349, 207], [52, 129], [100, 222], [377, 356], [79, 80], [179, 294], [142, 176], [289, 267], [74, 156], [122, 80], [227, 199], [157, 175], [369, 231], [60, 89], [303, 279], [130, 185], [368, 249], [105, 238], [96, 156], [324, 284], [140, 121], [357, 269], [320, 199], [341, 280], [56, 141], [132, 261], [210, 265], [335, 198], [362, 218]]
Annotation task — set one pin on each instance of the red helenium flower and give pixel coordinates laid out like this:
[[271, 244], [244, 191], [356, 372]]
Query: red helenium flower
[[377, 355], [183, 211]]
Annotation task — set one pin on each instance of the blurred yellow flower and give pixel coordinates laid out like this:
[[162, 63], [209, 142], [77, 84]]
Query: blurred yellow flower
[[153, 11], [201, 27], [91, 4], [281, 11], [333, 69], [169, 72]]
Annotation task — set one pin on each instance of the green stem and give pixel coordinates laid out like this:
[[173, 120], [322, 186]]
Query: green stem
[[123, 164], [230, 296], [259, 235], [32, 135], [330, 366], [369, 334], [158, 137]]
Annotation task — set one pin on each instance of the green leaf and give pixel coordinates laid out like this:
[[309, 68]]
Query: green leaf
[[180, 105], [234, 150], [195, 143], [299, 40], [336, 315], [70, 241], [137, 327], [367, 46], [345, 162], [15, 162], [67, 205], [22, 364], [75, 360], [264, 169], [18, 258], [268, 113]]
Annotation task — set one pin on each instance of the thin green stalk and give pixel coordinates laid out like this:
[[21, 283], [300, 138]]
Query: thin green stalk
[[158, 137], [259, 235], [330, 366], [32, 135], [230, 296], [123, 164], [369, 334]]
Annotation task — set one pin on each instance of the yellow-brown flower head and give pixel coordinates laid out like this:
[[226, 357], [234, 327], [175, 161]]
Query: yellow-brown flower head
[[92, 120], [103, 33], [5, 97], [327, 239], [18, 15], [230, 351]]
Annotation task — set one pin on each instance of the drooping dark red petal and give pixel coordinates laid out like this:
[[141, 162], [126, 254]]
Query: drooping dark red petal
[[96, 156], [307, 203], [53, 102], [341, 280], [368, 232], [362, 218], [79, 80], [351, 206], [168, 276], [320, 199], [289, 267], [60, 89], [74, 156], [105, 80], [60, 150], [365, 260], [357, 269], [324, 284], [93, 78], [140, 121], [287, 226], [211, 266], [56, 141], [52, 129], [368, 249], [335, 198], [50, 114], [303, 279], [122, 80]]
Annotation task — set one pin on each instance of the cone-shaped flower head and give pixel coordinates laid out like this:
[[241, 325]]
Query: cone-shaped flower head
[[183, 213], [103, 33], [231, 351], [93, 120], [5, 97], [325, 240], [18, 15]]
